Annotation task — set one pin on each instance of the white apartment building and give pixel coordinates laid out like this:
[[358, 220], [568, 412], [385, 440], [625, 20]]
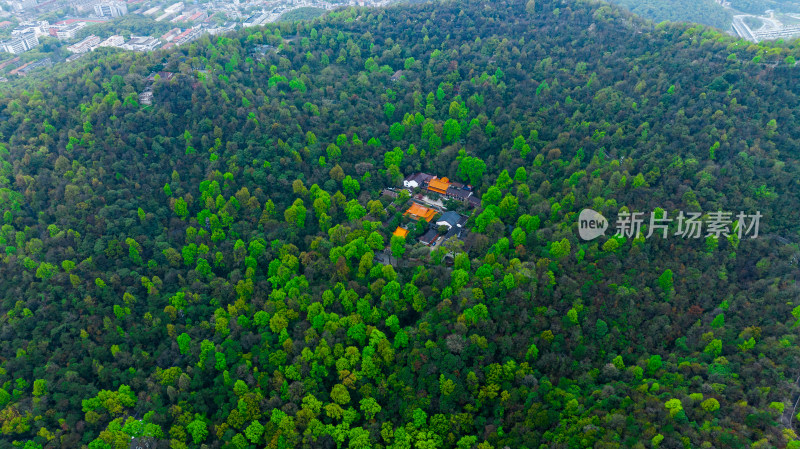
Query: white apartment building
[[20, 44], [86, 45], [113, 41], [39, 27], [172, 9], [142, 43], [69, 31], [110, 9]]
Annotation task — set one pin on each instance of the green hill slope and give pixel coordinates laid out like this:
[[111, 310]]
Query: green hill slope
[[218, 269], [706, 12]]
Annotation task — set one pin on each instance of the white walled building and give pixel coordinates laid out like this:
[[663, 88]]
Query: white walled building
[[69, 31], [142, 43], [110, 9], [86, 45], [20, 44], [172, 9], [113, 41]]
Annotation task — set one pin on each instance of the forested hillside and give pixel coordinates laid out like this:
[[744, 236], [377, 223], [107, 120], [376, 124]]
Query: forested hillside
[[218, 269], [706, 12], [759, 6]]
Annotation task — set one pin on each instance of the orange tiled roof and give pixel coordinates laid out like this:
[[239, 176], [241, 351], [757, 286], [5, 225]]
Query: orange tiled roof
[[421, 212], [439, 185], [400, 232]]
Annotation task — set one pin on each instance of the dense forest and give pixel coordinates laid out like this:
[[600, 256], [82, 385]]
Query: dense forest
[[706, 12], [758, 7], [306, 13], [219, 269]]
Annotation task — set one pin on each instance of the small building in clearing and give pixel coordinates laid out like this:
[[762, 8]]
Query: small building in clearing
[[439, 185], [429, 238], [417, 180], [389, 193], [450, 219], [400, 232], [442, 186], [419, 212]]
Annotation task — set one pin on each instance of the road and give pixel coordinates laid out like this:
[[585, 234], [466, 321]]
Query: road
[[742, 29]]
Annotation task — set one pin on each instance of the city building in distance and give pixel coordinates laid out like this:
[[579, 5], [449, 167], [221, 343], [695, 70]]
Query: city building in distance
[[69, 31], [86, 45], [20, 44], [110, 9], [113, 41], [142, 43]]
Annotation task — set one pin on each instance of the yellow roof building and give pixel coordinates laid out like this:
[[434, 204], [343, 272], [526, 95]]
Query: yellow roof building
[[418, 212], [400, 232], [439, 185]]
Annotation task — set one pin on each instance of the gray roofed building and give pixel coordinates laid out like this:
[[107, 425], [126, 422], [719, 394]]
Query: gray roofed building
[[389, 193], [449, 219], [429, 237], [46, 62], [459, 193], [417, 180], [141, 43]]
